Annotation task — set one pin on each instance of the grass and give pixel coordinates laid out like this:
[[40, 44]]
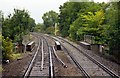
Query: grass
[[16, 56]]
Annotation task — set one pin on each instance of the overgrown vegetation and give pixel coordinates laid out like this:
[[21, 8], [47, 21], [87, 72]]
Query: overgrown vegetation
[[7, 48], [14, 27], [100, 20]]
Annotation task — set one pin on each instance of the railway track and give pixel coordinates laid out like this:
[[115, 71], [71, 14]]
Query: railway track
[[51, 66], [42, 61], [58, 58], [63, 64], [87, 64], [41, 64], [76, 62], [28, 70]]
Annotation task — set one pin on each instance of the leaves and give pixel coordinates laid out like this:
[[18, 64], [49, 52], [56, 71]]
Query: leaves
[[7, 48], [97, 19], [50, 18], [14, 27], [17, 24]]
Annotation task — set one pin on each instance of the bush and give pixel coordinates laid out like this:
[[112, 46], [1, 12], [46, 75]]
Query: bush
[[15, 56], [7, 48]]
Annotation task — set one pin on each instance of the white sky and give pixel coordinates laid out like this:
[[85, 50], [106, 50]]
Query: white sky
[[36, 8]]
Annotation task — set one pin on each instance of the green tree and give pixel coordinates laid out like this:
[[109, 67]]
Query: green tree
[[70, 11], [17, 24], [50, 30], [113, 20], [68, 14], [87, 24], [50, 18], [14, 27], [40, 28], [31, 24]]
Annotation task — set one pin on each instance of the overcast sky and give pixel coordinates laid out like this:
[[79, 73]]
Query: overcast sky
[[36, 8]]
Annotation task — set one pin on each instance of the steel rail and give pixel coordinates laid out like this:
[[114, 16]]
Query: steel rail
[[42, 61], [75, 61], [78, 65], [51, 63], [59, 58], [27, 72], [57, 55], [51, 66], [111, 73]]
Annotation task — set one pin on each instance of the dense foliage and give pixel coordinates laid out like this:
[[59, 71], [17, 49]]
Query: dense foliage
[[100, 20], [113, 21], [14, 27], [39, 28], [49, 20], [17, 24]]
